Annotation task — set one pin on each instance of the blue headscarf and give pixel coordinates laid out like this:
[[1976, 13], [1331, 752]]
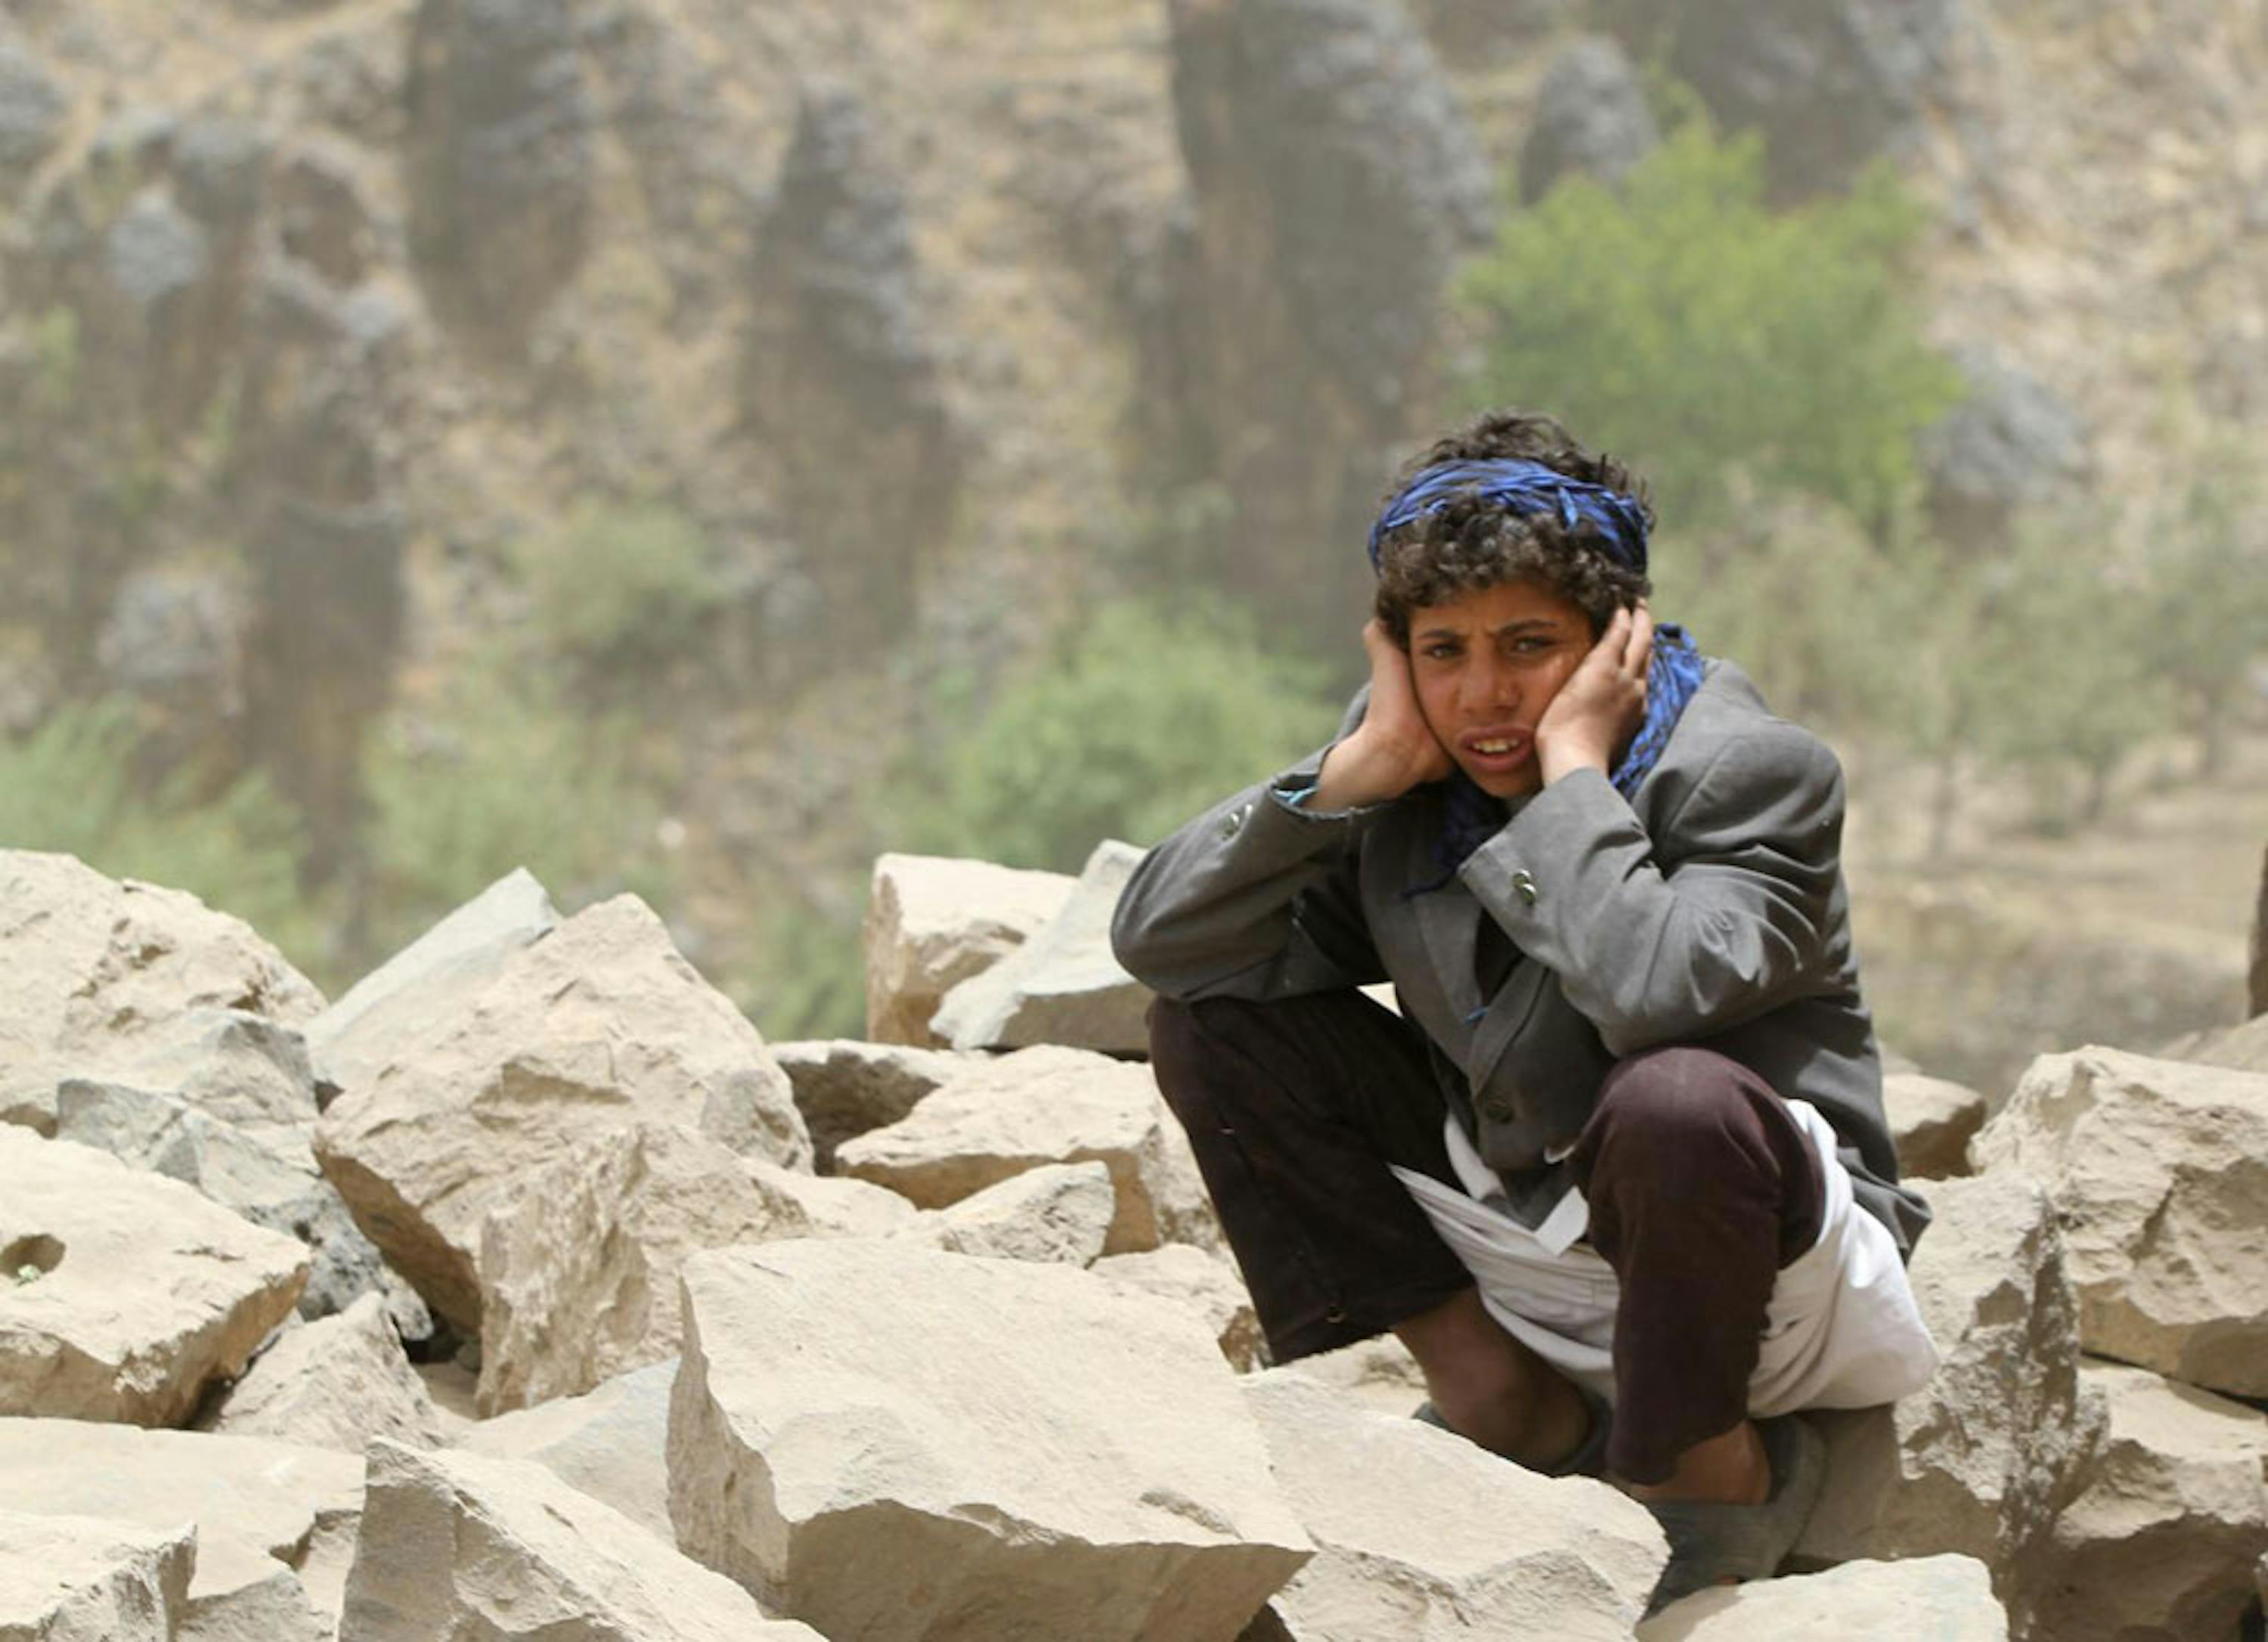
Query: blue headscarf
[[1617, 526]]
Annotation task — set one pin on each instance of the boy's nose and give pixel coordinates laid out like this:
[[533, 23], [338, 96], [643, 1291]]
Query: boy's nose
[[1490, 687]]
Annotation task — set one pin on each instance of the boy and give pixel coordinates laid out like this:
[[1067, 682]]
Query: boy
[[1624, 1143]]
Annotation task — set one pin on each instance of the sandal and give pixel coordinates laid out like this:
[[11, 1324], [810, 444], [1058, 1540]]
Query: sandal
[[1712, 1544], [1590, 1456]]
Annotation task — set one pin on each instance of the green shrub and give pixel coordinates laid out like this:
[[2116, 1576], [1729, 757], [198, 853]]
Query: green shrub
[[504, 774], [806, 976], [1134, 726], [1679, 322], [621, 589], [71, 786]]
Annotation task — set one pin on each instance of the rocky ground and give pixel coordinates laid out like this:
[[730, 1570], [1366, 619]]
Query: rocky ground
[[525, 1290]]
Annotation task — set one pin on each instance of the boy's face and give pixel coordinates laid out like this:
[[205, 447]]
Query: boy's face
[[1487, 665]]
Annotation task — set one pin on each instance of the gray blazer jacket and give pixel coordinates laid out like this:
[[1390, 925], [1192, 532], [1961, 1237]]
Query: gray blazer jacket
[[1709, 908]]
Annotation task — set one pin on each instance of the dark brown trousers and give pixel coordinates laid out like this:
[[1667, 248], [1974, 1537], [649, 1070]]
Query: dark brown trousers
[[1701, 1186]]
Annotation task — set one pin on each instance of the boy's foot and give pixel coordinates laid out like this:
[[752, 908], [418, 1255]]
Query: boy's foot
[[1712, 1543]]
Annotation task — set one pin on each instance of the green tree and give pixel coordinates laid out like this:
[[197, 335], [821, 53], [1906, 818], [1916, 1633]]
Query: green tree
[[2064, 677], [1678, 320], [2207, 600], [1134, 725]]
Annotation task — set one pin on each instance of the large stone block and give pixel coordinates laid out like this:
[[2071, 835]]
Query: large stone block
[[579, 1265], [1982, 1461], [2164, 1539], [88, 965], [456, 1544], [334, 1383], [1043, 1106], [1946, 1599], [67, 1578], [934, 920], [1063, 985], [1424, 1537], [890, 1442], [123, 1294], [273, 1520], [2160, 1173], [598, 1024]]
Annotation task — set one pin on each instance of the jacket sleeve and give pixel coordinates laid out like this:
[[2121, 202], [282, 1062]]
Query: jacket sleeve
[[1255, 898], [1728, 915]]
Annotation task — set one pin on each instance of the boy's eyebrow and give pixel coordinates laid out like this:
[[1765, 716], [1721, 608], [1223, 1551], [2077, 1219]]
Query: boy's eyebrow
[[1513, 626]]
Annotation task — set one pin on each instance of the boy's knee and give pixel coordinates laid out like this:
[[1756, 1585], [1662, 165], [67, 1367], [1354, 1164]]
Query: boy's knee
[[1671, 1109]]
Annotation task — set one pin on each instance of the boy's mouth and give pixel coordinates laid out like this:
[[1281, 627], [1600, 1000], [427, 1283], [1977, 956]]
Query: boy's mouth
[[1498, 750]]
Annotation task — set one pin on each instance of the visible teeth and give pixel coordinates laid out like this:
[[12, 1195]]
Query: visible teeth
[[1492, 746]]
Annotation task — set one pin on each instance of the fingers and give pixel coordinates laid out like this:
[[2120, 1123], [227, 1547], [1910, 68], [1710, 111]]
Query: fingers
[[1639, 651]]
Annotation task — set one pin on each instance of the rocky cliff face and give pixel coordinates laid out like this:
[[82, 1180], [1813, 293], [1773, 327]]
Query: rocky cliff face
[[1020, 262], [927, 315]]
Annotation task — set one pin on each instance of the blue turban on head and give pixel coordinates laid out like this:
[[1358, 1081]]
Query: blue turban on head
[[1526, 488]]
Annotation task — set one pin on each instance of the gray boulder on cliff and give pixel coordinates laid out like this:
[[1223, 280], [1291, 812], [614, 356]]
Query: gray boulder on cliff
[[1830, 86], [1591, 118]]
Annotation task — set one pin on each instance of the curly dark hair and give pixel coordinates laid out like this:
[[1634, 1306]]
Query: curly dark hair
[[1471, 543]]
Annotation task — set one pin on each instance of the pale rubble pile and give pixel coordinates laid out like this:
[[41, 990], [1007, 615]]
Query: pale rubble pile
[[935, 1335]]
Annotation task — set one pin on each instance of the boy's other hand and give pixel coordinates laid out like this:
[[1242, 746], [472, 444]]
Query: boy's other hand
[[1603, 702], [1393, 749]]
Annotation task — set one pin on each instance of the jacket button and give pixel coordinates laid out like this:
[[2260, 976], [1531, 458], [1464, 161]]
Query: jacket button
[[1497, 1111], [1234, 819], [1524, 886]]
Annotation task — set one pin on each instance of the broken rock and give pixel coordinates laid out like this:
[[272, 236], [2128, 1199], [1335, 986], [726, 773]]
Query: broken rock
[[835, 1205], [1040, 1106], [932, 922], [578, 1266], [263, 1510], [1063, 985], [1983, 1459], [1930, 1124], [845, 1088], [890, 1442], [456, 1544], [2159, 1171], [1945, 1598], [1201, 1283], [89, 966], [354, 1039], [610, 1443], [66, 1578], [596, 1024], [1422, 1536], [265, 1172], [1059, 1211], [334, 1384], [124, 1293], [2163, 1541]]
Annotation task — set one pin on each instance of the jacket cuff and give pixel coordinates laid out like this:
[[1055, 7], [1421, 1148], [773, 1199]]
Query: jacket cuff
[[1295, 789]]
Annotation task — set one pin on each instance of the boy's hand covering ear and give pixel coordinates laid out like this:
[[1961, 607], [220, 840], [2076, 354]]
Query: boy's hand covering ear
[[1393, 749]]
